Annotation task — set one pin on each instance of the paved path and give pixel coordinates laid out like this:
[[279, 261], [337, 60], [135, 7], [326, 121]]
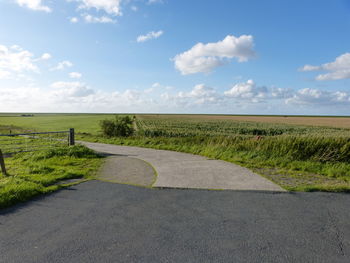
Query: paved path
[[181, 170], [105, 222], [126, 170]]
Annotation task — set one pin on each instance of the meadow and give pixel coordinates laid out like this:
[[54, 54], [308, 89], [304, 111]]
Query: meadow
[[299, 153]]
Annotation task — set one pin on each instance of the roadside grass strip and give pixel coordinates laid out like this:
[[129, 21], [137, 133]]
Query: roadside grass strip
[[31, 174]]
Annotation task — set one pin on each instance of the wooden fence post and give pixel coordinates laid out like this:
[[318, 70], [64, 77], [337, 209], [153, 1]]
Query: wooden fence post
[[2, 164], [71, 137]]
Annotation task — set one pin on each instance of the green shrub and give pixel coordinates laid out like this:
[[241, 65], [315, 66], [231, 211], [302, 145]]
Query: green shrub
[[120, 127]]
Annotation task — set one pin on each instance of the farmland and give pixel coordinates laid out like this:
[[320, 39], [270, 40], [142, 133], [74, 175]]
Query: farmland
[[298, 153], [89, 123]]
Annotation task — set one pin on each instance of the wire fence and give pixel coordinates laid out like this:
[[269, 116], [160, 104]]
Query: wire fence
[[28, 142]]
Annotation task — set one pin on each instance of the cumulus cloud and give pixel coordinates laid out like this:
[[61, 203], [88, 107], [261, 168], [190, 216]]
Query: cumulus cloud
[[62, 65], [247, 91], [68, 89], [34, 5], [205, 57], [15, 60], [74, 20], [46, 56], [338, 69], [280, 93], [199, 95], [151, 2], [149, 36], [112, 7], [72, 96], [94, 19], [75, 75], [76, 96], [319, 97], [159, 86]]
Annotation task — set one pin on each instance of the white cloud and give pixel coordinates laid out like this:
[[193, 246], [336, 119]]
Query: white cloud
[[74, 20], [150, 2], [94, 19], [70, 89], [199, 95], [134, 8], [62, 65], [75, 75], [148, 91], [280, 93], [4, 74], [205, 57], [319, 97], [149, 36], [34, 5], [76, 96], [46, 56], [247, 91], [15, 60], [310, 68], [112, 7], [338, 69], [157, 85]]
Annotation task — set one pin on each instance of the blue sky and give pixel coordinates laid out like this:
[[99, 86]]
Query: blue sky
[[167, 56]]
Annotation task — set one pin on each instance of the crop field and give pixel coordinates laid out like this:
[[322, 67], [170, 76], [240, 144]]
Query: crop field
[[184, 126], [89, 123], [298, 153], [338, 121]]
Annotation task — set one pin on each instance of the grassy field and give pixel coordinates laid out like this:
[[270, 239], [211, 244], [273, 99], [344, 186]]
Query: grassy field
[[298, 153], [89, 123], [31, 174]]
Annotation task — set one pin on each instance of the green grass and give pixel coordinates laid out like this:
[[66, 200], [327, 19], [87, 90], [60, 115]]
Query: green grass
[[84, 123], [297, 157], [31, 174]]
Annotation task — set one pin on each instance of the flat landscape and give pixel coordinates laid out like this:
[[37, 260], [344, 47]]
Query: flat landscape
[[174, 131], [90, 122], [308, 153]]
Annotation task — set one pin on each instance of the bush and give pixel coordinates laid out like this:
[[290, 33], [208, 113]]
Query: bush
[[120, 127]]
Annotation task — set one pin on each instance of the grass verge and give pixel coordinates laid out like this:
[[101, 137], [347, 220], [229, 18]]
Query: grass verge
[[32, 174]]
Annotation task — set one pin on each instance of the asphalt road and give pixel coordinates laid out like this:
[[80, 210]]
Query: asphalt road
[[105, 222]]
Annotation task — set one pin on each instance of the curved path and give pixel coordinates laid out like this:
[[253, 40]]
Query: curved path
[[126, 170], [182, 170]]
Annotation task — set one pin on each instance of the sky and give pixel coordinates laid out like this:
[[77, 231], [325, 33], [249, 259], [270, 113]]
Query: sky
[[175, 56]]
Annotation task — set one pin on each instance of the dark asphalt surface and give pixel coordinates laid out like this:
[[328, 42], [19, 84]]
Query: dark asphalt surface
[[104, 222]]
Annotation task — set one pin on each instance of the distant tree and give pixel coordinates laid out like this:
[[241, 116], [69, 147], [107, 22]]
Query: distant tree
[[121, 126]]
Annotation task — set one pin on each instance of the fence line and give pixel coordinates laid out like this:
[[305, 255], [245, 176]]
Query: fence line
[[34, 141], [34, 133]]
